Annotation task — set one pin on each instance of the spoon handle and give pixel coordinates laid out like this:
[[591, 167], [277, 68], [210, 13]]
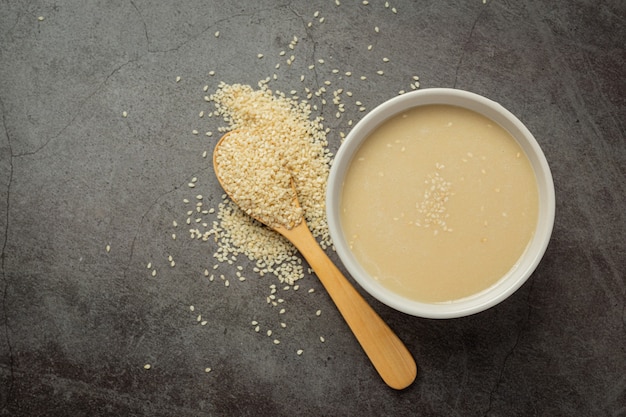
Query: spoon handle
[[386, 351]]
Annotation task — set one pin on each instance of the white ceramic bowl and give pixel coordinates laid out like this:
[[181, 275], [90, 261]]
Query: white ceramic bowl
[[511, 281]]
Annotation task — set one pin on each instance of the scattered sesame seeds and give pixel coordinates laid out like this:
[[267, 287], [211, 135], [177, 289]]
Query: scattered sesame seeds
[[231, 229], [432, 209]]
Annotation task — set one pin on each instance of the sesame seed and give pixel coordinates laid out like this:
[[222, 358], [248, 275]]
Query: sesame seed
[[147, 366], [108, 248], [217, 34], [178, 79], [318, 313], [299, 352], [154, 272], [40, 18], [207, 370], [124, 113]]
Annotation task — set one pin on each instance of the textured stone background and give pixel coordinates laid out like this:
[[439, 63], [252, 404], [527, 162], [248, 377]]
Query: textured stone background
[[78, 323]]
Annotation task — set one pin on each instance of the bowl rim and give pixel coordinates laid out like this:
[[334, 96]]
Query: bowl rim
[[519, 273]]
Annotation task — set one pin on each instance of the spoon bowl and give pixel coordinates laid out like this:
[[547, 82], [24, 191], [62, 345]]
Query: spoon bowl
[[388, 354]]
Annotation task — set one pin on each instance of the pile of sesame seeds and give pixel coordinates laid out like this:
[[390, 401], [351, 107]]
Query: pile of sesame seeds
[[271, 142]]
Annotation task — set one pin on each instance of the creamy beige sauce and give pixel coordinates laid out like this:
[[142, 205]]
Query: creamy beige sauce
[[439, 203]]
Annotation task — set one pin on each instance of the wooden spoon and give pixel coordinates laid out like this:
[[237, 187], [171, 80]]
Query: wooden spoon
[[386, 351]]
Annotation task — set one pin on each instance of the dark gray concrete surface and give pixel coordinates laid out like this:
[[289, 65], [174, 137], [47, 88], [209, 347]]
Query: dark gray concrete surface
[[78, 323]]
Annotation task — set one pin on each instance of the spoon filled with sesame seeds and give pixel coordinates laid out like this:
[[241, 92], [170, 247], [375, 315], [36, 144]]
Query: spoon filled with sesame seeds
[[266, 188]]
